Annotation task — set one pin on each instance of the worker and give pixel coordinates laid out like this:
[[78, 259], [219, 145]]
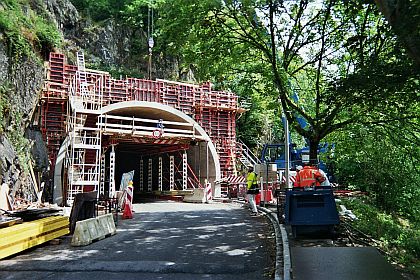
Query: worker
[[309, 176], [326, 183], [298, 168], [252, 189]]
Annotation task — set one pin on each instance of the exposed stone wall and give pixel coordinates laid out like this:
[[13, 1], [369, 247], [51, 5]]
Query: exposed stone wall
[[109, 44], [11, 172], [22, 80]]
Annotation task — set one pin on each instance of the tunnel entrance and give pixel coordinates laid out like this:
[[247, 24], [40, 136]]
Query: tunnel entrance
[[77, 138], [167, 150], [159, 169]]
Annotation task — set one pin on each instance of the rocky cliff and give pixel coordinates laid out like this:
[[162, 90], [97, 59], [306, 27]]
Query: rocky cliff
[[110, 44], [21, 80], [28, 32]]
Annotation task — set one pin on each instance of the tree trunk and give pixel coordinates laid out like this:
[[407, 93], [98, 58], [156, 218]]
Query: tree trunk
[[313, 151]]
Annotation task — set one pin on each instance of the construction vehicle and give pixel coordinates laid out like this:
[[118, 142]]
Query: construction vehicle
[[306, 210], [275, 154], [310, 209]]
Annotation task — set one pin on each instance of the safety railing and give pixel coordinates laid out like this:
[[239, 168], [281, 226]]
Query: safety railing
[[247, 157], [146, 127]]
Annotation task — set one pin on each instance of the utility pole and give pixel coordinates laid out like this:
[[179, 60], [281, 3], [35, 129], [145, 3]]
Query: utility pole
[[150, 40], [286, 150], [151, 44]]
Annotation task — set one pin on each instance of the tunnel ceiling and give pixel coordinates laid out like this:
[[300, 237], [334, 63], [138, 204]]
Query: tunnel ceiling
[[149, 148], [147, 113]]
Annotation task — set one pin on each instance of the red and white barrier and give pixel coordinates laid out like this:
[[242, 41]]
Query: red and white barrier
[[292, 179], [208, 192], [128, 204], [129, 195]]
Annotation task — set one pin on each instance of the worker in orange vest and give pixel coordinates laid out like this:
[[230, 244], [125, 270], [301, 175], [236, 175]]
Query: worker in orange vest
[[309, 176]]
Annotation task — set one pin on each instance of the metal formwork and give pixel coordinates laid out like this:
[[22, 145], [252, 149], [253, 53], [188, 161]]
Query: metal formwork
[[84, 92]]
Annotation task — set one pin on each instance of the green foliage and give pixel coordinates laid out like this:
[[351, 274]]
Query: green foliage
[[189, 31], [99, 10], [11, 126], [47, 35], [397, 236], [384, 161], [4, 107], [26, 31]]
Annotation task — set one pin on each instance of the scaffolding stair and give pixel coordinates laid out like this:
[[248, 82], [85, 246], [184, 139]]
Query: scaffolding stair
[[84, 170], [85, 162], [247, 157]]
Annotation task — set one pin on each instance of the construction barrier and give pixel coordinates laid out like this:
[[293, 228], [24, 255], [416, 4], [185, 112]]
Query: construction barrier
[[128, 202], [93, 229], [209, 192], [17, 238], [198, 196], [129, 195]]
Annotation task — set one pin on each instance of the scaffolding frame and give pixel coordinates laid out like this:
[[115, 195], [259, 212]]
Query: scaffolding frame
[[85, 91]]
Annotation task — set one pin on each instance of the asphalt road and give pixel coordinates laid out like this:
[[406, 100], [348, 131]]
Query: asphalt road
[[165, 240]]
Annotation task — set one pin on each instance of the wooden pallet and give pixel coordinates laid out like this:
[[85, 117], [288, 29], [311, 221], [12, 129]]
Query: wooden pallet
[[20, 237]]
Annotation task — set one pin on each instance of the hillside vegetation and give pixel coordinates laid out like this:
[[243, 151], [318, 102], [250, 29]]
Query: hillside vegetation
[[348, 68]]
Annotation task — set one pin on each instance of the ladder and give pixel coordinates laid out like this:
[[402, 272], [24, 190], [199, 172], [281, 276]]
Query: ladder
[[90, 95], [84, 170], [84, 158]]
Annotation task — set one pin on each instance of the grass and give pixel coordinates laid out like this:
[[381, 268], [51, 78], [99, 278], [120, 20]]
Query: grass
[[397, 236], [25, 30], [11, 126]]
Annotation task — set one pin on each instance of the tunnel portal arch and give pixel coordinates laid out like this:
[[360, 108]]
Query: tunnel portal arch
[[151, 111]]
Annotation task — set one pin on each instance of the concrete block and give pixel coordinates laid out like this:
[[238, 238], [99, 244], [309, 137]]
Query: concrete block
[[197, 196], [100, 230], [107, 223], [93, 229], [81, 235]]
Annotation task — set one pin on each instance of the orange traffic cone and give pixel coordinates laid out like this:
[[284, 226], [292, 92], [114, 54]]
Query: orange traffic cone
[[127, 214]]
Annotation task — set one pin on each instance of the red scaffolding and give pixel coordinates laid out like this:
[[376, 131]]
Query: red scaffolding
[[215, 111]]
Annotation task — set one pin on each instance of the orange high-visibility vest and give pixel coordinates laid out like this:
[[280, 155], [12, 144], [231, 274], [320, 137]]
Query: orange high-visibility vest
[[308, 176]]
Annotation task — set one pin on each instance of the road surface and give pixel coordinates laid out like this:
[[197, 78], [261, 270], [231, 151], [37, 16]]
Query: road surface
[[165, 240]]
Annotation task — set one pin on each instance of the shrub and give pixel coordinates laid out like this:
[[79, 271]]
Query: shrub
[[398, 237]]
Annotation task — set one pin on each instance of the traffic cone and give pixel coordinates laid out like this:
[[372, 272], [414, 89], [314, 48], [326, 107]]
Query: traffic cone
[[127, 214]]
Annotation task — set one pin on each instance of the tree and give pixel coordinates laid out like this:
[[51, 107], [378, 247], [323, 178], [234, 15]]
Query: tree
[[403, 16], [334, 63]]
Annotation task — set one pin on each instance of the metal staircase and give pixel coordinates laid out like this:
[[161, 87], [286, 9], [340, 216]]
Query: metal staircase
[[84, 157], [246, 156]]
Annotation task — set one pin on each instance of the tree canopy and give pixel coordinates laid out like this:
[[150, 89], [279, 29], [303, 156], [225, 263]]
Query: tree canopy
[[342, 66], [333, 63]]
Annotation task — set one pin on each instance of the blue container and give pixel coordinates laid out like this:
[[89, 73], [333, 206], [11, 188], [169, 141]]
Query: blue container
[[311, 208]]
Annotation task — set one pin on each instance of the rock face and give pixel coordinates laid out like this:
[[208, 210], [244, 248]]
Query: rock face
[[64, 14], [109, 45], [4, 63], [23, 79], [38, 149], [11, 172], [27, 76]]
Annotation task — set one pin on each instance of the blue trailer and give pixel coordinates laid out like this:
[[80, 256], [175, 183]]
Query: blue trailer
[[310, 211]]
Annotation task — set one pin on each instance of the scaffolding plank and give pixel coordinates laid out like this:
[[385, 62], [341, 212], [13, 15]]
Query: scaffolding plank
[[20, 237]]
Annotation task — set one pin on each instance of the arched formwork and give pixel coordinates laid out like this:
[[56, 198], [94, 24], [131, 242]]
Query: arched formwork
[[207, 162]]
